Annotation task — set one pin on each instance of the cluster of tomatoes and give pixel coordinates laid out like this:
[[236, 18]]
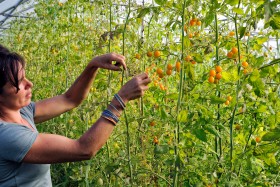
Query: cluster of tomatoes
[[232, 53], [160, 73], [193, 22], [229, 98], [215, 75], [155, 140], [149, 54], [169, 69], [189, 58], [245, 66]]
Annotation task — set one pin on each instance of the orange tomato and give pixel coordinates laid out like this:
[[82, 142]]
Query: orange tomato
[[244, 64], [137, 56], [234, 50], [149, 54], [231, 33], [190, 35], [245, 71], [193, 22], [155, 140], [169, 66], [198, 23], [212, 73], [178, 66], [218, 69], [229, 98], [161, 86], [211, 79], [161, 75], [157, 54], [159, 71], [188, 58], [152, 123], [218, 76], [168, 72], [227, 102], [230, 54]]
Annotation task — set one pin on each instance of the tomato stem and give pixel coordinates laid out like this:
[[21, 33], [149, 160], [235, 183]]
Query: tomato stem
[[124, 111], [237, 91]]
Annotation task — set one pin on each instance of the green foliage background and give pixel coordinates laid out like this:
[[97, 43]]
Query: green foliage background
[[199, 142]]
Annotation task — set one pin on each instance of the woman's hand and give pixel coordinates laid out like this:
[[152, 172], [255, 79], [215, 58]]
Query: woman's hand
[[106, 62], [134, 88]]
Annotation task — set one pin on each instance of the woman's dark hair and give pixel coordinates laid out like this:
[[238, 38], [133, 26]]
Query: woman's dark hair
[[10, 64]]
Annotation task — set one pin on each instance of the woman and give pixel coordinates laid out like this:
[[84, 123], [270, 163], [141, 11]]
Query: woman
[[26, 154]]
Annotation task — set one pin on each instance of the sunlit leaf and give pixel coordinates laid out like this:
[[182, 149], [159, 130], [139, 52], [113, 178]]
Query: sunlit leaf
[[271, 136], [183, 116], [217, 100], [238, 11], [262, 108], [255, 75], [232, 2], [160, 2], [261, 40], [198, 58]]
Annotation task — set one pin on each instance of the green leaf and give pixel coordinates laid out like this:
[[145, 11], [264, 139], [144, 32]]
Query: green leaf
[[160, 2], [271, 136], [190, 71], [173, 96], [242, 31], [238, 11], [143, 12], [186, 42], [255, 75], [209, 18], [262, 108], [259, 60], [259, 87], [163, 113], [212, 131], [200, 134], [183, 116], [169, 24], [232, 2], [161, 149], [198, 58], [230, 76], [267, 10], [261, 40], [216, 100]]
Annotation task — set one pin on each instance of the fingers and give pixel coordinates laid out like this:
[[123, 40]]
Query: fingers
[[120, 60], [144, 78]]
